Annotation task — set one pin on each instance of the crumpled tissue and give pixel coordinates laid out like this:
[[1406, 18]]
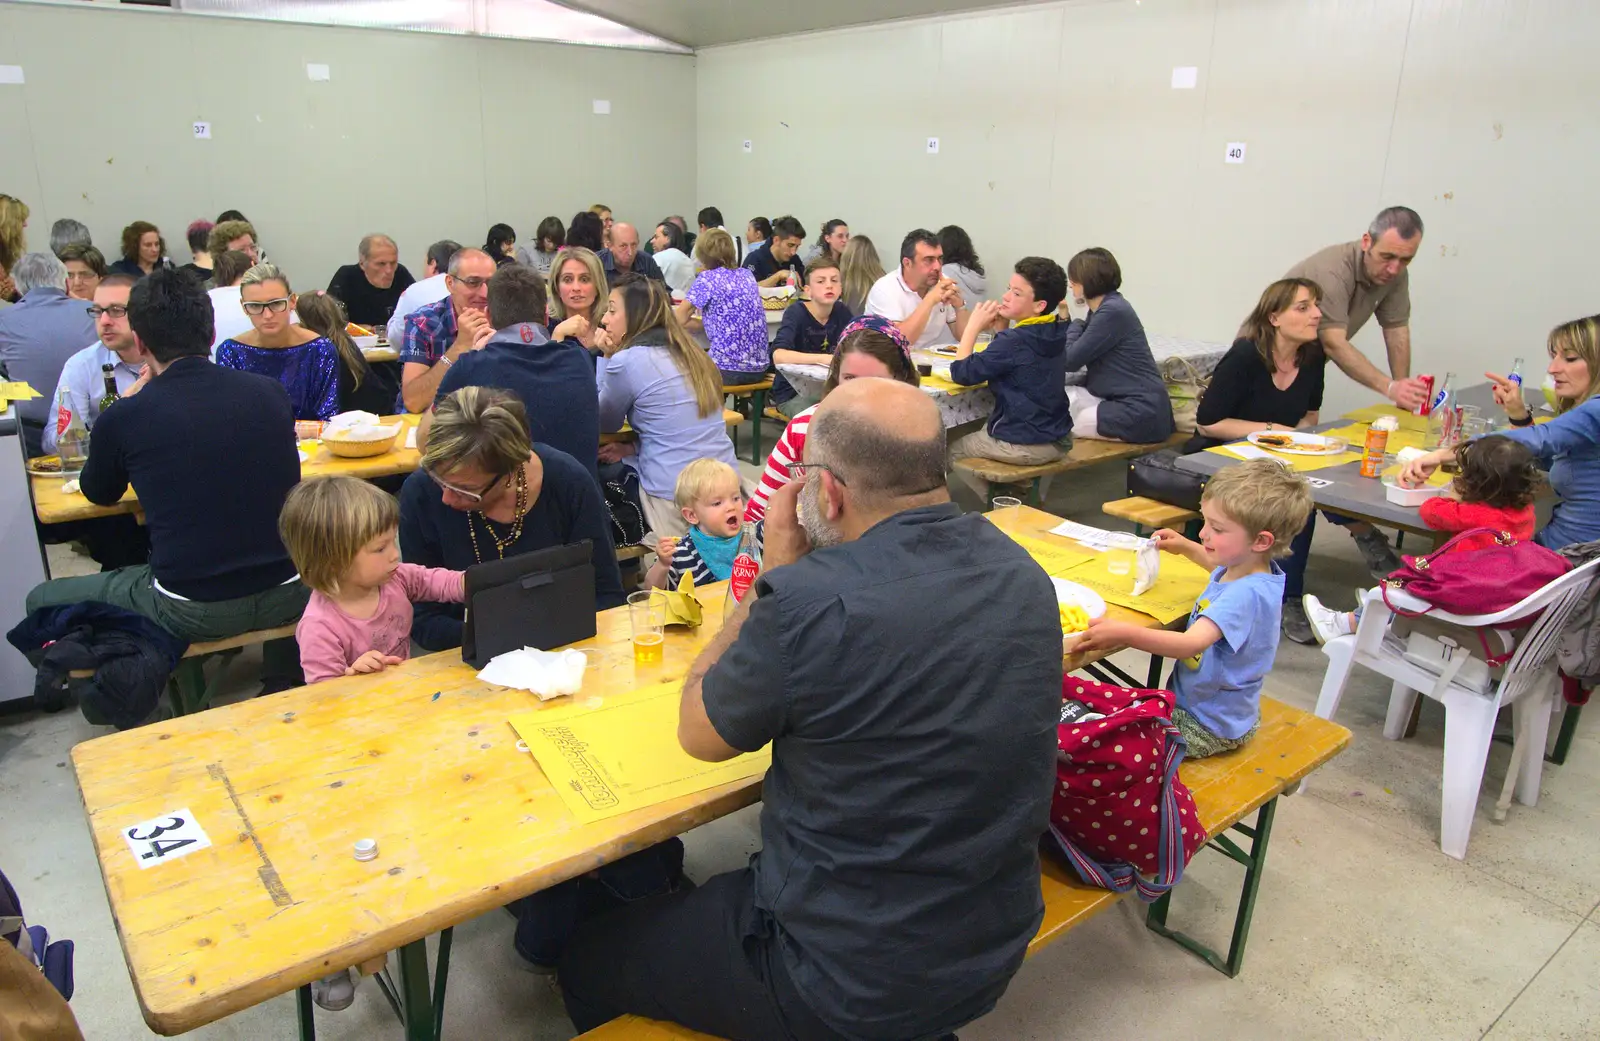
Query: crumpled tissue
[[549, 674], [356, 426]]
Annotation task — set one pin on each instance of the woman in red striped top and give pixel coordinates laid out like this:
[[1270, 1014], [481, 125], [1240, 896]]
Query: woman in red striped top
[[870, 346]]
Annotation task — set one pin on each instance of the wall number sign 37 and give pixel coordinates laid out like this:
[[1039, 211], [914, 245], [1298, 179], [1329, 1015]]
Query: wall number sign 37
[[167, 837]]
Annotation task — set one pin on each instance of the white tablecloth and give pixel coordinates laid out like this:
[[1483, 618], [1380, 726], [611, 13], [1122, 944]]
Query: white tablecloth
[[972, 405]]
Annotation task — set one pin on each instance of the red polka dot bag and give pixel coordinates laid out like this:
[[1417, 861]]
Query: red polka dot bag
[[1120, 815]]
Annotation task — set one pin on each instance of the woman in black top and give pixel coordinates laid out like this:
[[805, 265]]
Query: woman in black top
[[1272, 379]]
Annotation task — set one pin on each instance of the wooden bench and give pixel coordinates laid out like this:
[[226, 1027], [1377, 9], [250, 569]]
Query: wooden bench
[[188, 690], [1227, 788], [756, 395], [1152, 514], [1084, 452]]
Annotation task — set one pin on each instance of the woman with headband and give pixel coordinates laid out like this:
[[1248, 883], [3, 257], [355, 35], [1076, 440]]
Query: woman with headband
[[870, 346]]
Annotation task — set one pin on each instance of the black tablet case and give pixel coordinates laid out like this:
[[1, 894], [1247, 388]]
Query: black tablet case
[[543, 599]]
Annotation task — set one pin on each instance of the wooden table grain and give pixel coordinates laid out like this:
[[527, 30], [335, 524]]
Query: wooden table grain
[[52, 506], [420, 758]]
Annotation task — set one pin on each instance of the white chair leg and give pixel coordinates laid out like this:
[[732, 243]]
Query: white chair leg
[[1468, 729], [1536, 708], [1341, 653], [1519, 745], [1402, 702]]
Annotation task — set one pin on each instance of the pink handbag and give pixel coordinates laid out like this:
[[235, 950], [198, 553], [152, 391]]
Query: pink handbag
[[1476, 581]]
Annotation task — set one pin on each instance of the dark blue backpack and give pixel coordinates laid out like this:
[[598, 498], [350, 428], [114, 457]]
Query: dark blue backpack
[[53, 959]]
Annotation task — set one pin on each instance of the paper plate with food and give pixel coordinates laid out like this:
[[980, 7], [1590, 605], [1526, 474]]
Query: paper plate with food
[[1078, 606], [1296, 443], [49, 466]]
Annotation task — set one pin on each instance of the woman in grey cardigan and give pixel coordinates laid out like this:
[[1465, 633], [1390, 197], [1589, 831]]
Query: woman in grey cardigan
[[1124, 397]]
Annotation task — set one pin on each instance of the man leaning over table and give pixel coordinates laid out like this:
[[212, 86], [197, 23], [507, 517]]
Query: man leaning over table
[[1369, 277], [211, 453], [898, 882], [918, 298], [439, 333]]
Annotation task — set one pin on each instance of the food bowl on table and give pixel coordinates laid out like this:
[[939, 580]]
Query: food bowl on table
[[361, 444], [1077, 606], [1403, 496], [366, 343]]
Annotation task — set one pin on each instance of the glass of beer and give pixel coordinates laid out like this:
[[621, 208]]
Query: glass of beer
[[647, 614]]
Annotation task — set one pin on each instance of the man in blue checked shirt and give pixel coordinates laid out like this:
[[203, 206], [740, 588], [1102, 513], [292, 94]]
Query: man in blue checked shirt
[[82, 376], [439, 333]]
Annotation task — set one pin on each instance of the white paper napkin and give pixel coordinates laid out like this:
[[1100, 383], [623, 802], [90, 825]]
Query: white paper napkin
[[548, 674]]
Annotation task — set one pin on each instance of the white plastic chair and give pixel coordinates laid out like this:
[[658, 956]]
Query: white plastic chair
[[1528, 684]]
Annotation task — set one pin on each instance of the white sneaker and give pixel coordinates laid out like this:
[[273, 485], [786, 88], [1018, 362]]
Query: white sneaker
[[1326, 623], [336, 992]]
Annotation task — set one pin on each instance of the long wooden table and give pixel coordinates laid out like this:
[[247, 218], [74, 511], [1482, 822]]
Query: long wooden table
[[420, 758], [53, 506]]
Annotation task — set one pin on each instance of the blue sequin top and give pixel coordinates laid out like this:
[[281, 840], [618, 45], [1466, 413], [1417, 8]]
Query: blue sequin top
[[309, 372]]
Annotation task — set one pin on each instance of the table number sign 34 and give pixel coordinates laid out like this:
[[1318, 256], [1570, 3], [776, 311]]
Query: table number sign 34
[[167, 837]]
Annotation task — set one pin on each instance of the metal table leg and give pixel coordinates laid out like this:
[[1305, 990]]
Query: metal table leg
[[303, 1012], [1255, 862], [1569, 727]]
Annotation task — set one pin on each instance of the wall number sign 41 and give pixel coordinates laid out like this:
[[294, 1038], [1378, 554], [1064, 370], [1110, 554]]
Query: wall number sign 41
[[167, 837]]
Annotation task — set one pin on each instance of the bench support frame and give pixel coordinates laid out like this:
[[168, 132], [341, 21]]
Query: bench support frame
[[419, 1011], [1255, 863]]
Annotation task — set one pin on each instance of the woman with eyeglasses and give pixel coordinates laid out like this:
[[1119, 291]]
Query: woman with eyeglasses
[[485, 491], [305, 363]]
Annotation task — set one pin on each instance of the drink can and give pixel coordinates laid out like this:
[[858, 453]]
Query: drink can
[[1372, 455], [1427, 395]]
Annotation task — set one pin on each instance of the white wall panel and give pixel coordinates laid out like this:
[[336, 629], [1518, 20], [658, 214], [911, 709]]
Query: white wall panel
[[421, 136], [1478, 113]]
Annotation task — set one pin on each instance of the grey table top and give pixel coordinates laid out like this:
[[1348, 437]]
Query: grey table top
[[1347, 491]]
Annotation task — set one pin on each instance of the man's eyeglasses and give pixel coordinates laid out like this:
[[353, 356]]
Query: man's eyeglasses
[[115, 310], [278, 306], [470, 496], [800, 471], [470, 281]]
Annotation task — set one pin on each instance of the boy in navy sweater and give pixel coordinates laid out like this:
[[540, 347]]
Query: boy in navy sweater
[[810, 331], [1025, 367]]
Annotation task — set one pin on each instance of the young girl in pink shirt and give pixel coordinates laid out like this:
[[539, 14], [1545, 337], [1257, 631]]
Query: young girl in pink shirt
[[342, 534]]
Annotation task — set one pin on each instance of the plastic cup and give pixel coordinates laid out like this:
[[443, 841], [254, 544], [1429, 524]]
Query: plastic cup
[[1120, 553], [647, 616], [1006, 502]]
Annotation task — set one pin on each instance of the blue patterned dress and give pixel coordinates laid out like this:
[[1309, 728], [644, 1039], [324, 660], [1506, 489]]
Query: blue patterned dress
[[309, 372]]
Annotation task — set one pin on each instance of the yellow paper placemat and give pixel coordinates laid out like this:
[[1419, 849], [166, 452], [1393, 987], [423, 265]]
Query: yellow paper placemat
[[15, 390], [1408, 420], [1300, 463], [625, 755], [1356, 434], [1055, 557], [940, 383], [1172, 597]]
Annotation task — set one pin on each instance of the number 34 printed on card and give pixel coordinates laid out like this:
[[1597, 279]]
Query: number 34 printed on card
[[168, 837]]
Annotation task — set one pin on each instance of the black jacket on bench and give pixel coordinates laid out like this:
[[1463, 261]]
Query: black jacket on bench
[[211, 453]]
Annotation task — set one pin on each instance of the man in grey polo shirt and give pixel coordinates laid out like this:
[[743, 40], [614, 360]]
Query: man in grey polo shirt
[[38, 334], [1366, 277], [904, 661]]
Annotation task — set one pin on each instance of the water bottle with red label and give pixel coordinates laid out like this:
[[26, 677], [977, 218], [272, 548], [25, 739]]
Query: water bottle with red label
[[746, 567]]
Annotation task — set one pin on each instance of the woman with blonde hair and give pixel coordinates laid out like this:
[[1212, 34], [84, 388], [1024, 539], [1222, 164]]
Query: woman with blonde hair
[[13, 242], [485, 491], [603, 211], [305, 362], [143, 250], [361, 387], [859, 268], [577, 295], [1568, 446], [657, 380]]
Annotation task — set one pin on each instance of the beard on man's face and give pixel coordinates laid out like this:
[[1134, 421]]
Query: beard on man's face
[[814, 521]]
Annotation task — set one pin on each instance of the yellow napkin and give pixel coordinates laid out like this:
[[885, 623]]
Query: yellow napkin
[[1298, 463], [683, 607], [16, 390], [1172, 597], [1356, 434], [1055, 558], [940, 383]]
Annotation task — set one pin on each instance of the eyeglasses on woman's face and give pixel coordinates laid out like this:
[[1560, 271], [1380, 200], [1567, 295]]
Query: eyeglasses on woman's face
[[255, 307], [473, 497]]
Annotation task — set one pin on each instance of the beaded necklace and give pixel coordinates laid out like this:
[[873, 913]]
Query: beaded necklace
[[513, 534]]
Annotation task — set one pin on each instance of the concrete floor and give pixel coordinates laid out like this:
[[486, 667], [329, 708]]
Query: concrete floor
[[1363, 928]]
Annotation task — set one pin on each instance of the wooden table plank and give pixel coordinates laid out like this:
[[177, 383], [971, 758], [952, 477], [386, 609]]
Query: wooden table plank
[[420, 758], [53, 506]]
